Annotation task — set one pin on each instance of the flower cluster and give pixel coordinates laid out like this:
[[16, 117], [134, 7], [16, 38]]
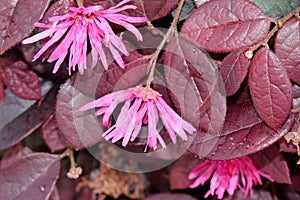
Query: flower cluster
[[80, 25], [227, 175], [142, 105]]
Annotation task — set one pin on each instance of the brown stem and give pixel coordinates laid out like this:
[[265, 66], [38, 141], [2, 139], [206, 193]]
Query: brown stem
[[155, 55], [279, 24]]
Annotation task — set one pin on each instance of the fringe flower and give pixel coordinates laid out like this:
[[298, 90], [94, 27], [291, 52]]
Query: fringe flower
[[227, 175], [80, 25], [141, 105]]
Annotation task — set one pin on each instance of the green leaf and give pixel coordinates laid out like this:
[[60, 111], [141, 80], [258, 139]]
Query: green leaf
[[277, 8]]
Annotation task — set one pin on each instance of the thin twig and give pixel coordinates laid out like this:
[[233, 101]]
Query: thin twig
[[155, 55], [278, 25]]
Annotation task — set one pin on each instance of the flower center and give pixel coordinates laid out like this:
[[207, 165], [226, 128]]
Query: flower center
[[145, 93]]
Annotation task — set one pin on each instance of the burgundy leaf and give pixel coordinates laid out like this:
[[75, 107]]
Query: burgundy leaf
[[245, 133], [180, 171], [286, 147], [14, 154], [296, 96], [52, 135], [170, 196], [287, 48], [20, 124], [256, 195], [196, 90], [32, 176], [79, 129], [116, 78], [55, 194], [153, 10], [272, 162], [270, 88], [227, 25], [233, 70], [1, 90], [19, 78], [17, 19]]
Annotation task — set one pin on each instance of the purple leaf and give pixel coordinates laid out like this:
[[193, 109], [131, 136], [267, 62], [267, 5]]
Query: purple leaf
[[257, 195], [244, 133], [180, 171], [227, 25], [14, 154], [170, 196], [33, 176], [270, 88], [14, 128], [196, 90], [17, 19], [287, 48], [52, 135], [233, 70], [153, 10], [79, 129], [19, 78], [272, 162]]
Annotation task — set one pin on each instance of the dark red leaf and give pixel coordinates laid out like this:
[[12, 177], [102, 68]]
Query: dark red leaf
[[257, 195], [52, 135], [32, 176], [244, 133], [227, 25], [286, 147], [19, 78], [55, 194], [272, 162], [196, 90], [180, 171], [270, 88], [22, 122], [170, 196], [17, 19], [153, 10], [296, 96], [14, 154], [233, 70], [1, 90], [79, 129], [287, 48], [115, 78]]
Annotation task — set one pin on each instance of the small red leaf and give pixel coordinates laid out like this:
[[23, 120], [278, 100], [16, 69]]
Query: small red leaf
[[270, 88], [272, 162], [287, 48], [20, 79], [233, 70], [17, 19], [256, 195], [14, 154], [227, 25], [52, 135], [21, 123], [1, 90], [170, 196], [153, 10], [180, 171], [32, 176]]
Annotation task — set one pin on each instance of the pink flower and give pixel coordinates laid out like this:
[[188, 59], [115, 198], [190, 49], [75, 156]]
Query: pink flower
[[142, 105], [227, 175], [74, 29]]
